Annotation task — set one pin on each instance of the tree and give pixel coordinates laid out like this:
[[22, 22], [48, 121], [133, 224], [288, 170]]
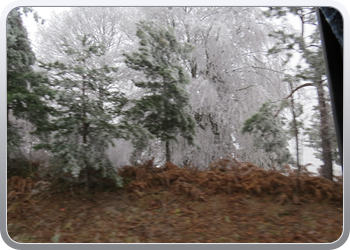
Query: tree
[[111, 26], [311, 51], [232, 75], [231, 72], [26, 89], [314, 138], [163, 110], [87, 111], [295, 125], [268, 133]]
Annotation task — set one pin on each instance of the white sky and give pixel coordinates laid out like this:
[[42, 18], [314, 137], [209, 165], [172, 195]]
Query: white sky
[[306, 153]]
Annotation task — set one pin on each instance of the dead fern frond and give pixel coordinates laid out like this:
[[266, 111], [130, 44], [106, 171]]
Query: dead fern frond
[[147, 164], [191, 190], [138, 185], [128, 171], [170, 166], [141, 174], [296, 200], [282, 199]]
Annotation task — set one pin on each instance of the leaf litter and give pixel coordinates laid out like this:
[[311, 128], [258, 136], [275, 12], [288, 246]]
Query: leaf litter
[[230, 202]]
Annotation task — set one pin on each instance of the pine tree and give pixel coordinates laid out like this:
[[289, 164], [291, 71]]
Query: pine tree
[[311, 51], [26, 89], [268, 133], [164, 108], [231, 76], [314, 138], [88, 108]]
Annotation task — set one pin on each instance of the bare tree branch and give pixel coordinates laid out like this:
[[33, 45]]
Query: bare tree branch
[[255, 67], [294, 90], [245, 87], [297, 88]]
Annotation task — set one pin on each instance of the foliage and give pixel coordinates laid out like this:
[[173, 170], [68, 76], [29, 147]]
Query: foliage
[[231, 71], [26, 89], [127, 217], [313, 69], [314, 138], [87, 106], [232, 75], [232, 177], [268, 133], [163, 110]]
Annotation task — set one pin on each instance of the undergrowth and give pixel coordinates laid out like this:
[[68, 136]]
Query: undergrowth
[[231, 201]]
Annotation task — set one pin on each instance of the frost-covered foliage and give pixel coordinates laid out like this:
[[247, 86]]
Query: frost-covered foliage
[[268, 134], [25, 87], [231, 74], [87, 107], [164, 108], [120, 152], [111, 27]]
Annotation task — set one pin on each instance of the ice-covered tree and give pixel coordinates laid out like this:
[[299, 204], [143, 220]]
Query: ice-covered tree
[[26, 89], [268, 133], [232, 75], [111, 26], [164, 108], [88, 107]]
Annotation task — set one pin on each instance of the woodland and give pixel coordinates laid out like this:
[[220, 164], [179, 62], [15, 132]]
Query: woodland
[[170, 125]]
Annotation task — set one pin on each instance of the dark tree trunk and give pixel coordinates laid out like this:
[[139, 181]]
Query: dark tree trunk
[[193, 69], [85, 127], [295, 129], [296, 135], [167, 151], [327, 169]]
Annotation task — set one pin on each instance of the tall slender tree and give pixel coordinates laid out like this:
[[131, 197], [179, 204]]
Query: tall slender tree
[[309, 47], [164, 108], [87, 111]]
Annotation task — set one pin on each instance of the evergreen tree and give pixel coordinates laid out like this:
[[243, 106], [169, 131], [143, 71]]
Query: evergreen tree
[[231, 76], [87, 111], [314, 138], [26, 89], [311, 51], [268, 133], [164, 108]]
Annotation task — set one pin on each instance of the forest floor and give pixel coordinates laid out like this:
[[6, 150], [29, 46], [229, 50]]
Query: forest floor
[[161, 216]]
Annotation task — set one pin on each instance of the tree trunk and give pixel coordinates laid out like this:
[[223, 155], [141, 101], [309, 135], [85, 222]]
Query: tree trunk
[[85, 132], [193, 69], [87, 165], [327, 169], [167, 151], [295, 128]]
